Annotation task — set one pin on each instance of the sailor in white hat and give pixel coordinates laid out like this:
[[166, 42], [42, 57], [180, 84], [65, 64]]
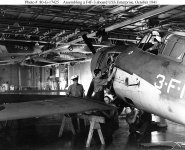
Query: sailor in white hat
[[74, 77], [75, 89], [156, 41]]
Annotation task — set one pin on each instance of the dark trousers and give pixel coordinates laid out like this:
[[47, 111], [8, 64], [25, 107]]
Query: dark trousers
[[99, 96], [75, 124], [142, 125]]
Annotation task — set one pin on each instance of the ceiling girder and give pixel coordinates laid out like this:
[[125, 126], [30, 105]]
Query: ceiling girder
[[122, 24], [141, 17], [34, 23]]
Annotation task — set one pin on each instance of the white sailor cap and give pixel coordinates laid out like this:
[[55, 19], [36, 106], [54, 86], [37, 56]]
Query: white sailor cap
[[158, 38], [74, 77]]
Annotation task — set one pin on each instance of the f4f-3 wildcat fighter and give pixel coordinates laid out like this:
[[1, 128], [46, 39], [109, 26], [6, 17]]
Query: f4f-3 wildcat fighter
[[151, 81]]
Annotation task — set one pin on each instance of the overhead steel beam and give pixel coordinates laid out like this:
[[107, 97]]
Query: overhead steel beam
[[122, 24], [141, 17], [164, 27], [180, 14], [44, 25], [91, 8]]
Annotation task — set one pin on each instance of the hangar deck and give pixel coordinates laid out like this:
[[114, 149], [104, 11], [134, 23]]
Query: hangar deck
[[42, 47], [44, 137]]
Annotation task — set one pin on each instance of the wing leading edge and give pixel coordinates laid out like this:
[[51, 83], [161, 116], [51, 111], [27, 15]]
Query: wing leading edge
[[64, 105]]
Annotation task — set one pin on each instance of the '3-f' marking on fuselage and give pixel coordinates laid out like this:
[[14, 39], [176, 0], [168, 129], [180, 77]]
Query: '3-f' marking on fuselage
[[173, 84]]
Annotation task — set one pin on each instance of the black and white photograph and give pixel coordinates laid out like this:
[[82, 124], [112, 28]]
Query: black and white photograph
[[92, 75]]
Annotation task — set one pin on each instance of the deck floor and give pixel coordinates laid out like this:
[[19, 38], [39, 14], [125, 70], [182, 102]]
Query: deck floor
[[44, 137]]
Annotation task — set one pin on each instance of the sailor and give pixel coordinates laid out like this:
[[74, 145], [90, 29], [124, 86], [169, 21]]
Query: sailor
[[100, 82], [156, 42], [138, 120], [75, 89], [132, 119]]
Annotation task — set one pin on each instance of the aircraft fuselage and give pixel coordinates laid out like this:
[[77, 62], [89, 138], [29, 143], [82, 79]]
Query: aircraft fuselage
[[151, 83]]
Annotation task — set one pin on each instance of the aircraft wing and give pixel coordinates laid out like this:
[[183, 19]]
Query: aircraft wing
[[63, 105], [38, 61], [14, 58]]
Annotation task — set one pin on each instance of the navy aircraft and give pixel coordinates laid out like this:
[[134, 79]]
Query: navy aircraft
[[149, 80], [27, 55], [22, 53]]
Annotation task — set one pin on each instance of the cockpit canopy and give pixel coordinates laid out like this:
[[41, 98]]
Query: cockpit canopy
[[172, 44]]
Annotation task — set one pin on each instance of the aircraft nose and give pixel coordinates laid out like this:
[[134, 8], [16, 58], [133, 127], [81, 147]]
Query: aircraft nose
[[127, 60]]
